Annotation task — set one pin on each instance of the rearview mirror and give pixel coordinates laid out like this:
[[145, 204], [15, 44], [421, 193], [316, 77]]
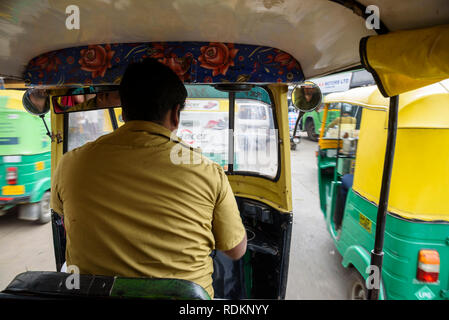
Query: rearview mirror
[[84, 99], [306, 96], [36, 101]]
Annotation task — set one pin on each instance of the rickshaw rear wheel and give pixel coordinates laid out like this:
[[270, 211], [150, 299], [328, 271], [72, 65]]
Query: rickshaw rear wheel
[[310, 128], [44, 209], [292, 146], [358, 290]]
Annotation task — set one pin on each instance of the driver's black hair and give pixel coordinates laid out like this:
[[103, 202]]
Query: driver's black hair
[[149, 89]]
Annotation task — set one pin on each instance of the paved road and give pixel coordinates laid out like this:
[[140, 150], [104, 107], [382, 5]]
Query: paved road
[[24, 246], [315, 270]]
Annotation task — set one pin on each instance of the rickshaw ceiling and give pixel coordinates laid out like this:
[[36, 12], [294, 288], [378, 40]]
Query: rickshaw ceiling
[[322, 35]]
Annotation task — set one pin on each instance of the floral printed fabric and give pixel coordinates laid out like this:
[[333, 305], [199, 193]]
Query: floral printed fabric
[[193, 62]]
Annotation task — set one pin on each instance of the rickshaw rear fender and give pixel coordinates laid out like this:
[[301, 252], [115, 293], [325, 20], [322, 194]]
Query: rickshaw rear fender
[[39, 189], [360, 259]]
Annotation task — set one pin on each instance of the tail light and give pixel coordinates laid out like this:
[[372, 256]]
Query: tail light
[[11, 175], [428, 266]]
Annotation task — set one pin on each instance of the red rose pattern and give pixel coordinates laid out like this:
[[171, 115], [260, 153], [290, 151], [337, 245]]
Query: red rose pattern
[[217, 57], [70, 60], [96, 59], [286, 60], [180, 66], [48, 63]]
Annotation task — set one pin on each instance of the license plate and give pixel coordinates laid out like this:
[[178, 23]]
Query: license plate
[[13, 190]]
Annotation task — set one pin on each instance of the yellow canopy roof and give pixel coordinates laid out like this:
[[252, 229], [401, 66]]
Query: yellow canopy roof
[[417, 108], [405, 60], [420, 177]]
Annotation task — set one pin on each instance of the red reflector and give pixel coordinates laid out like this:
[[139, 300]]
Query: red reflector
[[11, 175], [427, 276]]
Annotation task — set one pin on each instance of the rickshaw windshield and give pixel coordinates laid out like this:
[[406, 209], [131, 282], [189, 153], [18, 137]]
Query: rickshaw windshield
[[345, 121], [86, 126], [204, 124]]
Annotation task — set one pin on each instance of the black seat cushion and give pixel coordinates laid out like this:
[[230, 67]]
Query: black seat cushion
[[53, 284]]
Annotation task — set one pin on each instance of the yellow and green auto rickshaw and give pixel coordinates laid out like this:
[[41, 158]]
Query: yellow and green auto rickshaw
[[24, 160], [264, 46], [350, 158]]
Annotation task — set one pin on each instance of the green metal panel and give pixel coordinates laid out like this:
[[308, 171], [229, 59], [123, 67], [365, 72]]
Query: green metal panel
[[403, 240], [22, 133], [317, 116], [325, 177], [35, 181], [24, 145]]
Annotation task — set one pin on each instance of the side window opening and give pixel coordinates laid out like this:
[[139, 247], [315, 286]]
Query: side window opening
[[86, 126]]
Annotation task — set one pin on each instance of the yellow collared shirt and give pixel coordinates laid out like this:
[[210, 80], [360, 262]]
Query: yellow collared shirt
[[132, 209]]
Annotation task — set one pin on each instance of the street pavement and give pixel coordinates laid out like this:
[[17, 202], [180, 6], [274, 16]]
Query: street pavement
[[24, 246], [315, 270]]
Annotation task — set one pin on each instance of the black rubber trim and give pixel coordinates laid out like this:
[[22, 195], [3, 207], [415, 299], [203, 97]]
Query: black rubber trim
[[367, 66]]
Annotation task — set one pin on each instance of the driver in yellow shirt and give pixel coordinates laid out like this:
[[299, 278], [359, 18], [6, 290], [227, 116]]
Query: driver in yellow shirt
[[129, 209]]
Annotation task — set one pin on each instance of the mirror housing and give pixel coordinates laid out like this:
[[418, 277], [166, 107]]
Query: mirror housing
[[83, 99], [36, 101], [306, 96]]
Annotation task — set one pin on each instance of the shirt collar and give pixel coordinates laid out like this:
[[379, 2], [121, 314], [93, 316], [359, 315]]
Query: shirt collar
[[150, 127]]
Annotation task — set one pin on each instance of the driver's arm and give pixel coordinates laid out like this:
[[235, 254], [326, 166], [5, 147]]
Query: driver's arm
[[238, 251], [227, 226]]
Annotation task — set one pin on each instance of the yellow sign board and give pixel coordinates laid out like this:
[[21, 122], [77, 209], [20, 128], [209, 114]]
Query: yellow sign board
[[13, 190], [365, 222]]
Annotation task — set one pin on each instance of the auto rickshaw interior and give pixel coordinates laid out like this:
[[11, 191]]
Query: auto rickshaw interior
[[261, 273], [324, 36]]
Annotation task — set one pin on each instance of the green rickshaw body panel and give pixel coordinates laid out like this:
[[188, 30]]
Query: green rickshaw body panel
[[403, 241], [317, 116], [326, 165], [417, 213], [30, 175], [24, 146]]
